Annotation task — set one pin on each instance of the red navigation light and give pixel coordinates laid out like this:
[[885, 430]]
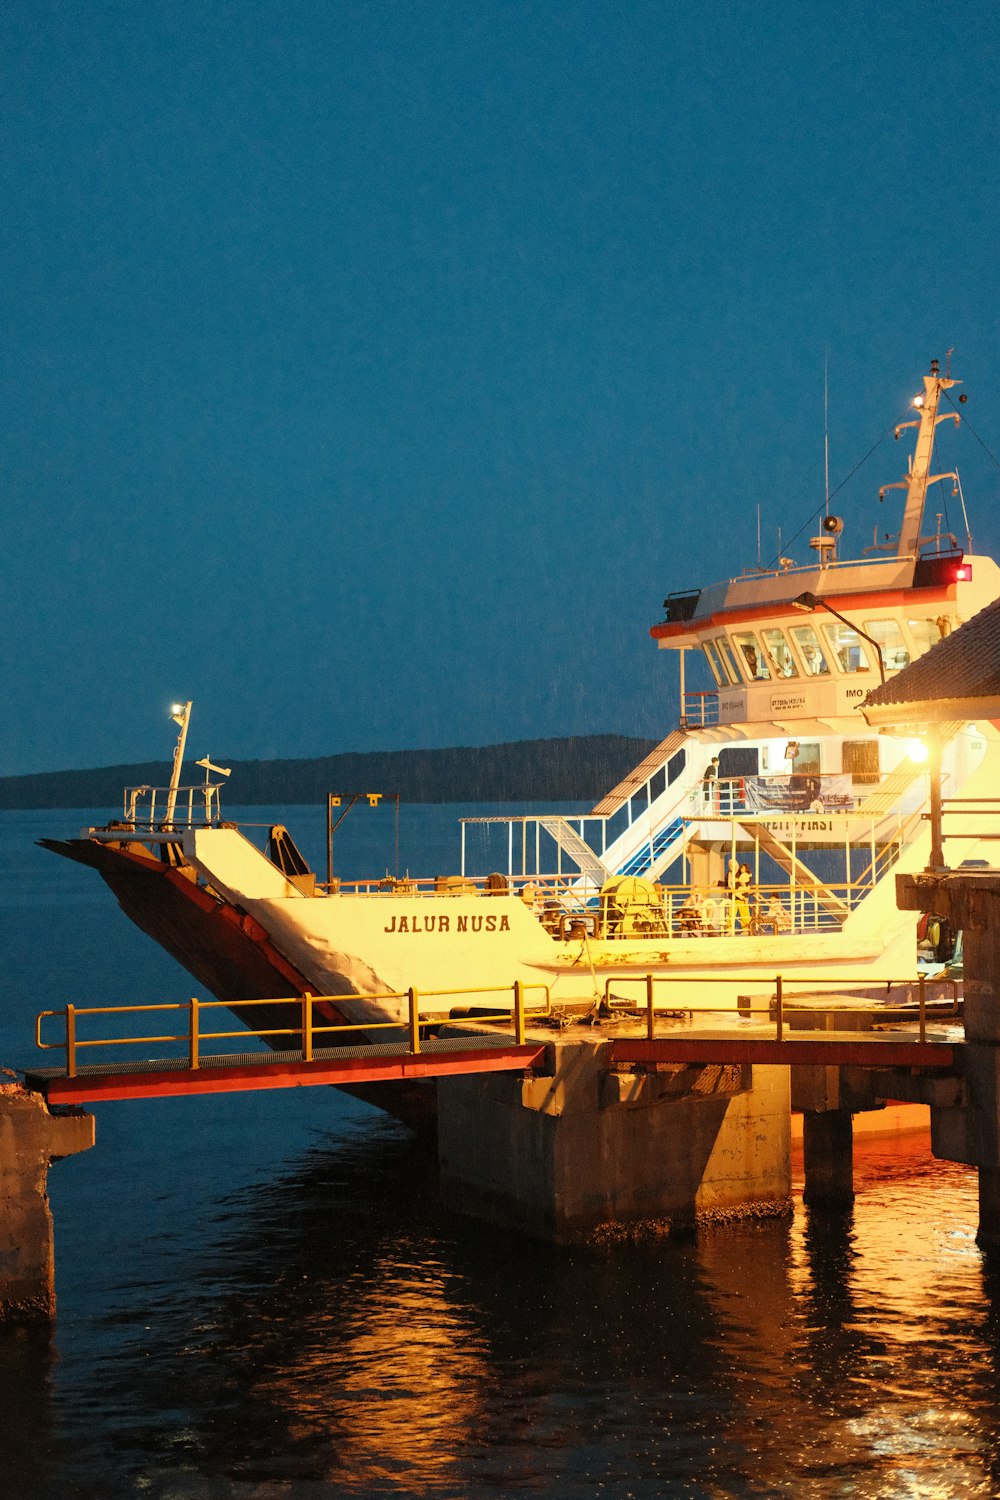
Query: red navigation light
[[941, 569]]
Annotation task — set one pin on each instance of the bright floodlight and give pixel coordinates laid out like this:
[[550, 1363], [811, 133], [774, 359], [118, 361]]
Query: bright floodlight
[[176, 708], [917, 751], [918, 401]]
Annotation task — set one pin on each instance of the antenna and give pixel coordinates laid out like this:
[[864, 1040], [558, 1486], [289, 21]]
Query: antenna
[[826, 427], [209, 767]]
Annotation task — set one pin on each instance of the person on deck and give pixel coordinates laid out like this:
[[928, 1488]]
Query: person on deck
[[742, 884], [775, 915], [709, 782]]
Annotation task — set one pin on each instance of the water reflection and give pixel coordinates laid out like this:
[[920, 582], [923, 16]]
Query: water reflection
[[26, 1439], [342, 1332]]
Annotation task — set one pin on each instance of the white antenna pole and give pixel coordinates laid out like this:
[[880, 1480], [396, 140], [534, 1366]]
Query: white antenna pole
[[826, 427], [181, 714]]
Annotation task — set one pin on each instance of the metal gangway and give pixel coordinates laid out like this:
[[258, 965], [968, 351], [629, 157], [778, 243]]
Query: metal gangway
[[491, 1038]]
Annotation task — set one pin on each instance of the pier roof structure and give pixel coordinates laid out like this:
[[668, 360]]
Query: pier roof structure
[[957, 679]]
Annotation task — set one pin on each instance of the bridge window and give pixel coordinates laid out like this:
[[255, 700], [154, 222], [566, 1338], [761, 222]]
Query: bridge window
[[846, 648], [726, 653], [890, 638], [779, 653], [712, 657], [675, 765], [810, 650], [750, 655], [657, 784], [926, 633]]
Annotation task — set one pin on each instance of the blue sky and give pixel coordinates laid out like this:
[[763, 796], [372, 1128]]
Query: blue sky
[[370, 372]]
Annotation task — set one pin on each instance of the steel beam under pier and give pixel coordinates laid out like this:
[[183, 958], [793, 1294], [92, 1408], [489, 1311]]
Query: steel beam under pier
[[242, 1072], [852, 1048]]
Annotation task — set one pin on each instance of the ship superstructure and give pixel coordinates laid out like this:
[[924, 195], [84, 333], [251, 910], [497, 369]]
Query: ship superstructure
[[758, 837]]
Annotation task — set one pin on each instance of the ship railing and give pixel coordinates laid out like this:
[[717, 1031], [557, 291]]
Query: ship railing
[[662, 997], [700, 710], [308, 1032], [526, 847], [870, 558], [768, 908], [571, 911], [555, 895], [155, 808], [802, 792]]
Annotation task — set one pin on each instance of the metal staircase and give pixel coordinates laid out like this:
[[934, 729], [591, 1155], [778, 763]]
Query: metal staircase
[[636, 780], [656, 853], [576, 849]]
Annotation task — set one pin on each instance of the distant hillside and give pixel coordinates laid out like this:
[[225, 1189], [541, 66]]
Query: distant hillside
[[564, 770]]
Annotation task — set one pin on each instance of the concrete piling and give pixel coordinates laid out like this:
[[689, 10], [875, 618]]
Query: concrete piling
[[828, 1159], [584, 1153], [30, 1139], [969, 1130]]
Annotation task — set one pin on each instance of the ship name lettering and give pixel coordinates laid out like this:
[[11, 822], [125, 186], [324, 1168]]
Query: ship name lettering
[[492, 923]]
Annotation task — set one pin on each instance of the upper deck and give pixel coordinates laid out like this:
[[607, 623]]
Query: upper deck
[[789, 643]]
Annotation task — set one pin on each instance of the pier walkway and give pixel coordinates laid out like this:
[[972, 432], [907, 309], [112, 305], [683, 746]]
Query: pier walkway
[[774, 1029]]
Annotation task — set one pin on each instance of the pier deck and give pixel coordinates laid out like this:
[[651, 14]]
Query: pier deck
[[233, 1072]]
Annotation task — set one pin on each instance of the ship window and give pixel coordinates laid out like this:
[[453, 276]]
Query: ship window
[[750, 656], [860, 761], [712, 658], [890, 638], [738, 760], [779, 653], [926, 633], [675, 765], [810, 650], [846, 648], [657, 784], [806, 760], [725, 652]]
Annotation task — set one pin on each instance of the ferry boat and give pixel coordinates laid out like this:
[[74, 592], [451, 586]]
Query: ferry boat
[[760, 837]]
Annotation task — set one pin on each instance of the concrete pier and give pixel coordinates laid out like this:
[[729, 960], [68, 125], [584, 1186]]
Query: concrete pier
[[586, 1152], [30, 1139], [968, 1130]]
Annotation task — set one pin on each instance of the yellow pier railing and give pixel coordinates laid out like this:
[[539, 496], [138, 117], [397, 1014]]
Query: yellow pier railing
[[307, 1027]]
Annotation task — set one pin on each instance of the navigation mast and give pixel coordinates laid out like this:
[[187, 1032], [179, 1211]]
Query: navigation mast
[[919, 476]]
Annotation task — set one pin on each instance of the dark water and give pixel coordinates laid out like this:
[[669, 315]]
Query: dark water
[[260, 1297]]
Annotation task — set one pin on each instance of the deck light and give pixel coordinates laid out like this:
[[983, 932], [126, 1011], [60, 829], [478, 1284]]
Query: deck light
[[808, 602], [917, 751]]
